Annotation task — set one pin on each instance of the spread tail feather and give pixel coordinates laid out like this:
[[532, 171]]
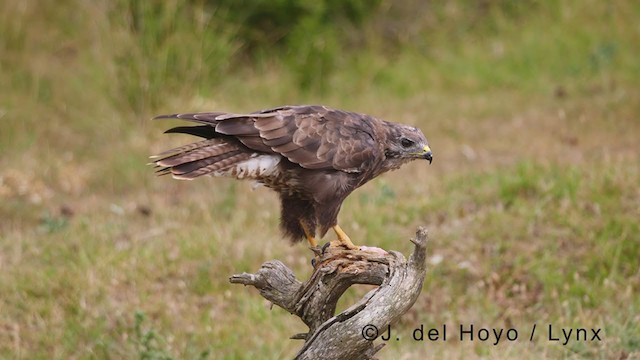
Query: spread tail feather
[[192, 170], [201, 158], [211, 150]]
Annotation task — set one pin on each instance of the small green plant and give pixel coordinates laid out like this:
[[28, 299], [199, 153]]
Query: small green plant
[[50, 223], [152, 346], [149, 344]]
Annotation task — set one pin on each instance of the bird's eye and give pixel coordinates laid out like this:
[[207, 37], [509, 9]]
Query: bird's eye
[[406, 143]]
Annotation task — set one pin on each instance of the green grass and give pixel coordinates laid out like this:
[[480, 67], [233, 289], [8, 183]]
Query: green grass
[[532, 199]]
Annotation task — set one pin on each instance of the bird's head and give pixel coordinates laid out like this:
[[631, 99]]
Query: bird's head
[[407, 143]]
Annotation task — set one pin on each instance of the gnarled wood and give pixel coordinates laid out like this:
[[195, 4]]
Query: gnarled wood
[[335, 269]]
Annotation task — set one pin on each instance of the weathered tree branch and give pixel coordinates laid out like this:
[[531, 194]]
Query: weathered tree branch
[[335, 269]]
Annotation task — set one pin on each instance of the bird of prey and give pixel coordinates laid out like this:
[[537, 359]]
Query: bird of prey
[[313, 156]]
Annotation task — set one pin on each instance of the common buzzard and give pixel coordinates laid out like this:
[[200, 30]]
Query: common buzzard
[[312, 156]]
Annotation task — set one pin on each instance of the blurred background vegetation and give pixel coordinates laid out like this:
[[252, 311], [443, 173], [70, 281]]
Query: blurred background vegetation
[[533, 201]]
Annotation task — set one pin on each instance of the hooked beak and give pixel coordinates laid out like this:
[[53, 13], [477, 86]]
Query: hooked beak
[[427, 154]]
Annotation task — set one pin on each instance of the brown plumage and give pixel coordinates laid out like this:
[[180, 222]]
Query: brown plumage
[[313, 156]]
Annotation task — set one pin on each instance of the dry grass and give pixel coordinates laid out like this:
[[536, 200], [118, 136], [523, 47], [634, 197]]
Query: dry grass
[[532, 200]]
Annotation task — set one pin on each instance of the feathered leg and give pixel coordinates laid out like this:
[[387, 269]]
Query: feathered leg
[[297, 219], [310, 237]]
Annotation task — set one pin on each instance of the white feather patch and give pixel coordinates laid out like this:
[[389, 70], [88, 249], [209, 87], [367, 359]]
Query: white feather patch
[[258, 166]]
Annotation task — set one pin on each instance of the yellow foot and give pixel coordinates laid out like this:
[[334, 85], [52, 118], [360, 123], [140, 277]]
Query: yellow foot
[[312, 241], [338, 243], [343, 239]]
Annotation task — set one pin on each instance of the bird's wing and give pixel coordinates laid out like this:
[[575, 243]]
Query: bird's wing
[[315, 137]]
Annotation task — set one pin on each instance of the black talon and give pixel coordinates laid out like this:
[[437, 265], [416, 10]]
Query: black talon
[[325, 246]]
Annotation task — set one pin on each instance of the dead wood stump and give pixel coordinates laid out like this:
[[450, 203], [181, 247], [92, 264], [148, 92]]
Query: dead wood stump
[[350, 334]]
